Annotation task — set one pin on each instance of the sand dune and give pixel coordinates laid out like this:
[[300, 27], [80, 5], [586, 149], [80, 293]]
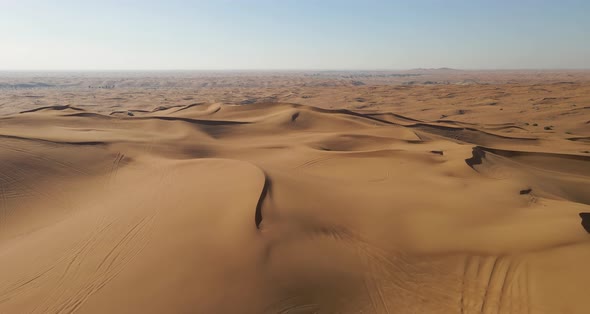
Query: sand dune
[[209, 207]]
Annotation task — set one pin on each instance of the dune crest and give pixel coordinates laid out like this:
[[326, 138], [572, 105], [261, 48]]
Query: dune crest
[[287, 208]]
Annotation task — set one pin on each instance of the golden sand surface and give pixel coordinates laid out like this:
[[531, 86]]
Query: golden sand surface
[[329, 192]]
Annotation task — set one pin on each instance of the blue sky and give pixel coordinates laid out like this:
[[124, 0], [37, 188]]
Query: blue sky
[[293, 34]]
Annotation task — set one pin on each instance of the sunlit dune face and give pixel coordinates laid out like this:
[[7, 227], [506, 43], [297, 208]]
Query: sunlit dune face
[[358, 205]]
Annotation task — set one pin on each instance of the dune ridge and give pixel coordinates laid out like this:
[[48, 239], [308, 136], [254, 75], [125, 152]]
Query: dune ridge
[[287, 208]]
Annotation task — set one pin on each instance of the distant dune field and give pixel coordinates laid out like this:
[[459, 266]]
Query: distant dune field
[[347, 193]]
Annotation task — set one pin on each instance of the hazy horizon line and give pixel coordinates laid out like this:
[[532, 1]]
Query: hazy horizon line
[[295, 70]]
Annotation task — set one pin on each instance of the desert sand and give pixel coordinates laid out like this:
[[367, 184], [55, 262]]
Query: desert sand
[[425, 191]]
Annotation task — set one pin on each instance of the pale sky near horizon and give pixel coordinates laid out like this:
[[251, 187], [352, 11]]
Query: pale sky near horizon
[[293, 34]]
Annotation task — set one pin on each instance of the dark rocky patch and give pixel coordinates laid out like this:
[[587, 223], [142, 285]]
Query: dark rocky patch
[[526, 191], [477, 156], [247, 101]]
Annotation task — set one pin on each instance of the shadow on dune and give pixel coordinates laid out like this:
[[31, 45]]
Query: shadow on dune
[[265, 190], [89, 143], [195, 121], [585, 221], [58, 107]]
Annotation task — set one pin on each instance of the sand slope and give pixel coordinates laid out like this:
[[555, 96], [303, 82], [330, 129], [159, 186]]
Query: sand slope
[[284, 208]]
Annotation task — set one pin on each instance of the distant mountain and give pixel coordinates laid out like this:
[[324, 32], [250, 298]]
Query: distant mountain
[[434, 69]]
